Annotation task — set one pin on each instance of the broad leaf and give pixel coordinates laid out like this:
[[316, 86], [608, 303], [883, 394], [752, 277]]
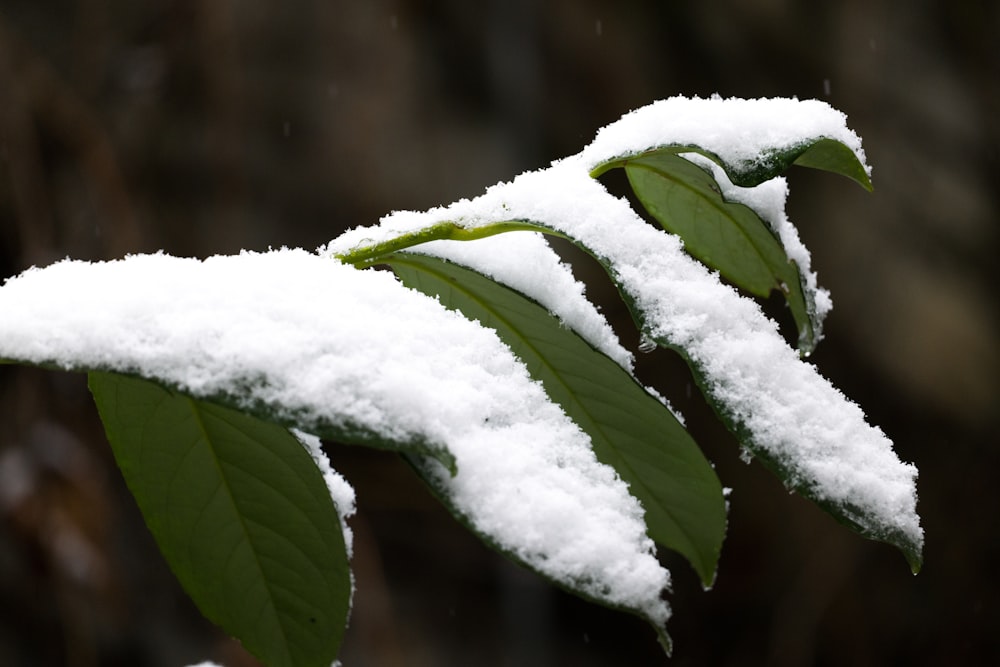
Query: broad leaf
[[241, 514], [630, 430]]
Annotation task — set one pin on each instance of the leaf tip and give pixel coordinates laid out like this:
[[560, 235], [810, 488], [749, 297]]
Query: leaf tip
[[915, 559]]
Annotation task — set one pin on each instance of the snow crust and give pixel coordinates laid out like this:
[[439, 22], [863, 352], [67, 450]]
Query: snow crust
[[784, 405], [331, 344]]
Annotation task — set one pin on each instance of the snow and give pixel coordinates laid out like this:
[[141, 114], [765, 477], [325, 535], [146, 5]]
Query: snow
[[768, 201], [340, 489], [784, 405], [324, 343], [526, 263], [738, 131]]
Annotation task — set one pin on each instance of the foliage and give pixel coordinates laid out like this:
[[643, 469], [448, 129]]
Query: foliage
[[244, 517]]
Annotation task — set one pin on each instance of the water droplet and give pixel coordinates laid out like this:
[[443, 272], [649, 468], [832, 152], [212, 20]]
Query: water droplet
[[646, 344]]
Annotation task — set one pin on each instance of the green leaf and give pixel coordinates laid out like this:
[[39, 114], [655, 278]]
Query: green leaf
[[686, 200], [240, 512], [630, 430], [730, 237], [822, 153]]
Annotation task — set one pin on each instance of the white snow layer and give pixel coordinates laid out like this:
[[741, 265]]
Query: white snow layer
[[739, 131], [788, 409], [522, 261], [325, 341]]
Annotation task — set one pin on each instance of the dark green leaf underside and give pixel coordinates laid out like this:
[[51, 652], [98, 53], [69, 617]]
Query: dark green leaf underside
[[241, 513], [630, 430]]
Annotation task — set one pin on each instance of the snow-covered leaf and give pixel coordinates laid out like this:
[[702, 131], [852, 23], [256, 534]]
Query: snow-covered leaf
[[240, 512], [630, 430], [753, 140], [215, 331], [685, 197], [315, 344], [731, 237]]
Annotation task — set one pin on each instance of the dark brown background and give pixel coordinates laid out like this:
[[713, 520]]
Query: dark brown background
[[207, 127]]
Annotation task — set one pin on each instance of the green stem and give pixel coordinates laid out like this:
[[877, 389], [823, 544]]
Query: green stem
[[367, 255]]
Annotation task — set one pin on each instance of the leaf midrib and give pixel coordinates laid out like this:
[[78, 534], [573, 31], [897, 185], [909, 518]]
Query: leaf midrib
[[243, 524], [721, 205]]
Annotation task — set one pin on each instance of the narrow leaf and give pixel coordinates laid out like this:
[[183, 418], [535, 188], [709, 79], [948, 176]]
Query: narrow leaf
[[730, 237], [630, 430], [240, 512]]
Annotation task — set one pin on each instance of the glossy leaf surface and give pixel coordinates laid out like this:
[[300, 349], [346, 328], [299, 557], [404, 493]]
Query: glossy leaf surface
[[240, 512]]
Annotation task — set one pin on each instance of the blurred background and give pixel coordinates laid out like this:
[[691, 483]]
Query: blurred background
[[206, 127]]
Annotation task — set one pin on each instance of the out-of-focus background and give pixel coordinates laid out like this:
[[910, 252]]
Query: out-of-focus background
[[207, 127]]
